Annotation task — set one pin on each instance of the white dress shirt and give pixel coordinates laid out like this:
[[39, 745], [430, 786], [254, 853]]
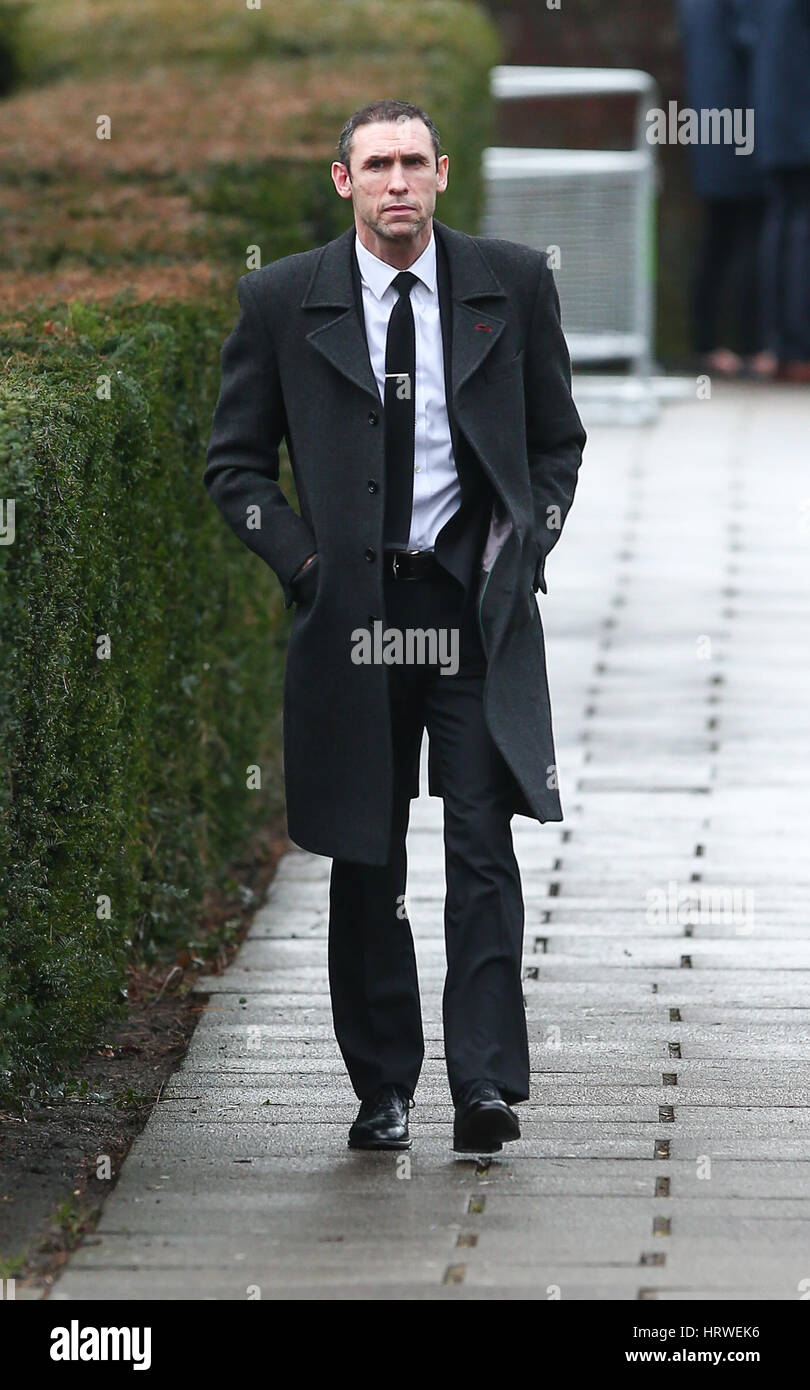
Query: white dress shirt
[[436, 489]]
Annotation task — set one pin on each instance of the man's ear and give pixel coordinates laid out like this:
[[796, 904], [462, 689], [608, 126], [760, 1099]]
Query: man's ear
[[342, 179]]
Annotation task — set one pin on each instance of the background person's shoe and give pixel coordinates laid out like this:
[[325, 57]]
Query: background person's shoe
[[721, 362], [382, 1120], [797, 372], [763, 365], [483, 1121]]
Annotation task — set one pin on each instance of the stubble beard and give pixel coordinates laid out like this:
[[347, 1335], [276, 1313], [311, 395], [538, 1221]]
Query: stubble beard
[[399, 230]]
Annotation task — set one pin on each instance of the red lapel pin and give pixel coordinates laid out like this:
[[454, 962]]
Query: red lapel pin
[[484, 327]]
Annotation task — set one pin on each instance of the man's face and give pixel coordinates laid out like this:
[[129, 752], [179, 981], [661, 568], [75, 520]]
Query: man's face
[[394, 180]]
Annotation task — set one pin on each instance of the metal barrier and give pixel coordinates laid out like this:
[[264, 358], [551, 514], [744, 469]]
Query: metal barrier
[[598, 208]]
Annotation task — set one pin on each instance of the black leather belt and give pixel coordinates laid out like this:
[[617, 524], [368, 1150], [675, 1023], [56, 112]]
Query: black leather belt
[[411, 564]]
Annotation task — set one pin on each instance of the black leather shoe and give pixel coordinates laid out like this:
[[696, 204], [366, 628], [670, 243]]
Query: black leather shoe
[[483, 1121], [382, 1120]]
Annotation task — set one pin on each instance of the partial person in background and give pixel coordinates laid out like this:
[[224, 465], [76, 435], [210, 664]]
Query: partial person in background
[[718, 74], [778, 32]]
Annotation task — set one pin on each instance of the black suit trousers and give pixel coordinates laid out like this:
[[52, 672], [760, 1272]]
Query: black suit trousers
[[372, 964]]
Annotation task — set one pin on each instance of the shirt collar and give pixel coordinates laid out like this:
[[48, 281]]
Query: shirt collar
[[379, 275]]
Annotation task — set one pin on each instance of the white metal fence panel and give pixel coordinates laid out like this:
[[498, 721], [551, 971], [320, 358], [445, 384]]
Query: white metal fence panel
[[592, 210]]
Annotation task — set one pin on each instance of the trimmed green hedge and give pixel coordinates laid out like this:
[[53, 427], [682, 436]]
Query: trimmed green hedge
[[75, 38], [125, 779]]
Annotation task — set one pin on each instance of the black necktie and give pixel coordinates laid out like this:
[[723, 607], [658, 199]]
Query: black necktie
[[400, 414]]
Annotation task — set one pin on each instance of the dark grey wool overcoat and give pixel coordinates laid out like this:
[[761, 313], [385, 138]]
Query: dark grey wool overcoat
[[296, 367]]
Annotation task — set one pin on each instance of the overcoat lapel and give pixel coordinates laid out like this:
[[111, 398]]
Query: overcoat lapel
[[469, 334], [341, 336]]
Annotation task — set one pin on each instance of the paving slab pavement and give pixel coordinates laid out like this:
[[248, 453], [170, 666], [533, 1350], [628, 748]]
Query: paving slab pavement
[[666, 1144]]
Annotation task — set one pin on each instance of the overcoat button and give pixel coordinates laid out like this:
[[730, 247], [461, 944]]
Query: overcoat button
[[370, 554], [373, 417], [372, 486]]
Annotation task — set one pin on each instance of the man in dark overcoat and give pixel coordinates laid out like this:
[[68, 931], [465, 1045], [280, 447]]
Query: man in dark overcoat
[[421, 380]]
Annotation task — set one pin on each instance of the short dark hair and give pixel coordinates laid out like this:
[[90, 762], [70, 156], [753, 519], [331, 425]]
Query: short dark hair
[[387, 109]]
